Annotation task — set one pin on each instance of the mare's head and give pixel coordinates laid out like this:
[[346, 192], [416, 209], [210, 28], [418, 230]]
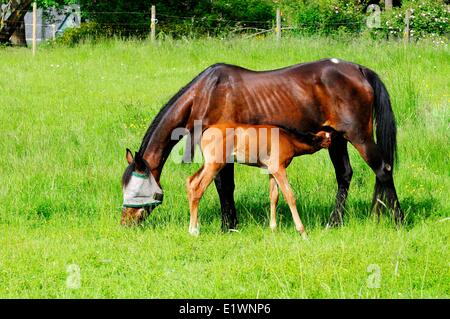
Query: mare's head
[[141, 192]]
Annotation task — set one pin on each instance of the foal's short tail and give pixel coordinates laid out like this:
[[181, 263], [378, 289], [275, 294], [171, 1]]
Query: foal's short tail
[[386, 129]]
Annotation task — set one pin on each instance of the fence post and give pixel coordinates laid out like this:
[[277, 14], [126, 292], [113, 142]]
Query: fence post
[[34, 28], [388, 5], [54, 31], [152, 23], [278, 28], [406, 34]]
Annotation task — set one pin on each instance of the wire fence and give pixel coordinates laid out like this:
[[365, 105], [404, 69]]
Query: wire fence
[[140, 23]]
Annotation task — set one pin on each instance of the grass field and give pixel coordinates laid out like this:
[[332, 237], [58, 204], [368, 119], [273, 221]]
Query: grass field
[[68, 114]]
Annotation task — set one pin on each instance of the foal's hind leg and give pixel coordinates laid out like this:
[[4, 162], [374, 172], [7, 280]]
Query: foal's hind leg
[[385, 193], [273, 193], [283, 183], [196, 186]]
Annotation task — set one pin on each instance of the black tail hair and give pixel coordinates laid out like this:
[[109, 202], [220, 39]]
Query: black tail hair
[[386, 129]]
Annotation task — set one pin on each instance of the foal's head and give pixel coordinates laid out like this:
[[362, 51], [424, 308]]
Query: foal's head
[[322, 139], [141, 192]]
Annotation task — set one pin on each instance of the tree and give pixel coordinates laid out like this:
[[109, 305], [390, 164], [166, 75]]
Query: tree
[[12, 18], [13, 25]]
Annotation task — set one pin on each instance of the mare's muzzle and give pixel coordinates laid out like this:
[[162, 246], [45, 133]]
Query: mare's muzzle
[[142, 191]]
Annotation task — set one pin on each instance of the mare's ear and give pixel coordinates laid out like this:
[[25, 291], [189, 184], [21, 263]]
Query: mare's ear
[[139, 162], [129, 156]]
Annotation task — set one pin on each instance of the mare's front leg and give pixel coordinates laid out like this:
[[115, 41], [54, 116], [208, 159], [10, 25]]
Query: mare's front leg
[[225, 188], [273, 193], [196, 186], [341, 162]]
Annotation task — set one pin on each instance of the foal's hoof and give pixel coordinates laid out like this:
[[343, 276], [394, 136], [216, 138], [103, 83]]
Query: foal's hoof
[[304, 236], [194, 231]]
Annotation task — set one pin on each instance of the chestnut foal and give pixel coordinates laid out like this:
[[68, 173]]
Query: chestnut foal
[[265, 146]]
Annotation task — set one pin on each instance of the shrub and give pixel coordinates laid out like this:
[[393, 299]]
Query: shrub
[[90, 30], [179, 18], [224, 17], [430, 18], [325, 17]]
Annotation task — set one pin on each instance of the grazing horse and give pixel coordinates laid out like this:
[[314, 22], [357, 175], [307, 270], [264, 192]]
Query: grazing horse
[[264, 146], [326, 95]]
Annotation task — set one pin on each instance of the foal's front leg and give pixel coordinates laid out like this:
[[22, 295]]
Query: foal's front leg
[[282, 181], [196, 186], [273, 193]]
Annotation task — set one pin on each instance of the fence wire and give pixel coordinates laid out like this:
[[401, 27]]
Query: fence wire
[[171, 23]]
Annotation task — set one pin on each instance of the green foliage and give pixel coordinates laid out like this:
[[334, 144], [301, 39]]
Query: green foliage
[[194, 18], [325, 17], [87, 31], [430, 18], [222, 16], [54, 3], [337, 17], [176, 18], [49, 3]]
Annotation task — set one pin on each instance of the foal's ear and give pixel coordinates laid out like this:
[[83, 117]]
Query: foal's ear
[[129, 156]]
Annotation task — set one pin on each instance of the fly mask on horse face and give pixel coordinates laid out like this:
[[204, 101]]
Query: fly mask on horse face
[[142, 191]]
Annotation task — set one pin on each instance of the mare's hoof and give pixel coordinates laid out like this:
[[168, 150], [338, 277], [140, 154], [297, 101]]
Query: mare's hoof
[[333, 224]]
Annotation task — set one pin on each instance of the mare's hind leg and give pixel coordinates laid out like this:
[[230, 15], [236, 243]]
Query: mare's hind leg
[[283, 183], [385, 194], [273, 193], [343, 170], [196, 186]]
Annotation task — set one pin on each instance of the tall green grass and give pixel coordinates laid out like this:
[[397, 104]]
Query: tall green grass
[[68, 114]]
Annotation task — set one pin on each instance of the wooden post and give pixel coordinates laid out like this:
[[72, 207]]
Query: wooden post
[[278, 27], [152, 24], [54, 31], [407, 28], [388, 5], [34, 28]]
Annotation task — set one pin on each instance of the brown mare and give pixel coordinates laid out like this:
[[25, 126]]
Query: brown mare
[[258, 145], [327, 95]]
